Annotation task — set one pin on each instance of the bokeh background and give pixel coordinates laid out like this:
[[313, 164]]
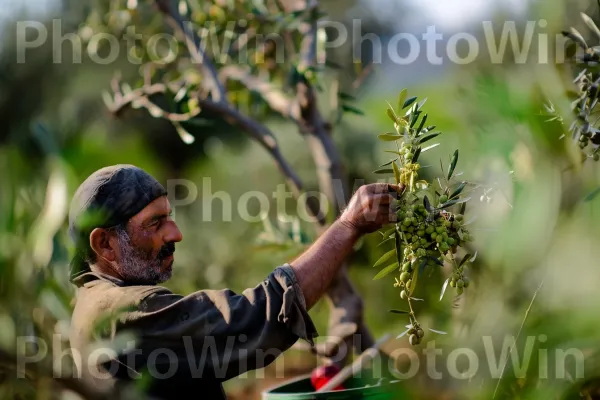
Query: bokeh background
[[537, 268]]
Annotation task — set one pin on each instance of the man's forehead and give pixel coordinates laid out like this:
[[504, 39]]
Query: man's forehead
[[159, 206]]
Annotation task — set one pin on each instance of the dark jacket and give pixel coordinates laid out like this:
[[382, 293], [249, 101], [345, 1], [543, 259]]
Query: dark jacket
[[176, 346]]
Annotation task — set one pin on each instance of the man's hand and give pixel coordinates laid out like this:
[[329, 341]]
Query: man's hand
[[371, 207]]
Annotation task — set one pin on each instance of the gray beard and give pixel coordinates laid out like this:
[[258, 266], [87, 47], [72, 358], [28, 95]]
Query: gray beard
[[137, 266]]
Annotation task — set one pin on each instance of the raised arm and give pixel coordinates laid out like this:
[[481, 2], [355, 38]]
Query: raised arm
[[369, 209]]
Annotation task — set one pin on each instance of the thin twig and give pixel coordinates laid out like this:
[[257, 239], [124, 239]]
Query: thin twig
[[518, 333]]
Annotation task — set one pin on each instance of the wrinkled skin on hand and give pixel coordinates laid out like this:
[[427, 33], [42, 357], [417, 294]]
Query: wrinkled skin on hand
[[371, 207]]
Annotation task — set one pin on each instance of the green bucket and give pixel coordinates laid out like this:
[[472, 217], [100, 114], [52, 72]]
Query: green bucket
[[356, 388]]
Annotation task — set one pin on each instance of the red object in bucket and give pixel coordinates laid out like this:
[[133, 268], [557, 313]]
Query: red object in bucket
[[323, 374]]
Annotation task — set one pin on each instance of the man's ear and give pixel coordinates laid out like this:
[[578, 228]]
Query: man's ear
[[102, 245]]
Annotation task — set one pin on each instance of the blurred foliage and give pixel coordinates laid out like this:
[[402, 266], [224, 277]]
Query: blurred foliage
[[535, 275]]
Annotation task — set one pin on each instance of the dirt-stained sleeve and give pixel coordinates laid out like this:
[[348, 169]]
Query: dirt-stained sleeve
[[222, 333]]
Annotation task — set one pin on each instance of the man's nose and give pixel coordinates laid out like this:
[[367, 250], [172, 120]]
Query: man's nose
[[173, 233]]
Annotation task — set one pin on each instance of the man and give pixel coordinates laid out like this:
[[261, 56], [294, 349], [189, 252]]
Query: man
[[187, 346]]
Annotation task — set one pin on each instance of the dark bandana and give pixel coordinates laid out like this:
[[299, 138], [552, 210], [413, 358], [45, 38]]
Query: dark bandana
[[108, 197]]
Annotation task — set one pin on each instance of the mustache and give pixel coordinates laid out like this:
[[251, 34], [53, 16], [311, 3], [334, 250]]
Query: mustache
[[167, 250]]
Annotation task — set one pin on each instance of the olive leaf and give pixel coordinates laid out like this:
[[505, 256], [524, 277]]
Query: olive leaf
[[384, 258], [416, 155], [396, 172], [391, 113], [592, 195], [463, 207], [455, 201], [458, 190], [409, 102], [590, 23], [436, 331], [383, 171], [346, 96], [474, 256], [429, 148], [352, 110], [403, 333], [429, 137], [421, 103], [453, 164], [465, 259], [398, 248], [389, 137], [402, 98], [575, 36], [427, 204], [388, 163], [398, 311], [414, 118], [387, 270], [388, 233], [385, 241], [444, 288], [416, 299], [393, 152]]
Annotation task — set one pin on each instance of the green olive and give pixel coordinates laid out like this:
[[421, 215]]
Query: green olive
[[596, 156], [420, 333], [458, 217], [429, 230], [443, 198], [466, 281], [460, 283], [405, 276], [406, 267], [409, 156], [403, 295], [434, 235], [440, 229], [439, 238], [450, 241], [459, 290]]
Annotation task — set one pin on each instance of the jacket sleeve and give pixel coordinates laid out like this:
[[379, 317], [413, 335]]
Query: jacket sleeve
[[220, 333]]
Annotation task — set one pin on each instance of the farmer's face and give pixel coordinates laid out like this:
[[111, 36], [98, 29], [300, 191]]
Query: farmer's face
[[146, 253]]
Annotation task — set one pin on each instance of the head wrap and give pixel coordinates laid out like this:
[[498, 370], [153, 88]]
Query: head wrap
[[108, 197]]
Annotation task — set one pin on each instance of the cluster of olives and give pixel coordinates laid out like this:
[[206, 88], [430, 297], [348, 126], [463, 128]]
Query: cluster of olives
[[458, 280], [415, 334]]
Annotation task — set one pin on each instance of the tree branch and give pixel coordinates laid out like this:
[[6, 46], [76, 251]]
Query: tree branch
[[170, 9], [255, 129], [276, 99]]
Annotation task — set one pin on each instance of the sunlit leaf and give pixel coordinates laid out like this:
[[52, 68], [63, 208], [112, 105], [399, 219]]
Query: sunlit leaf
[[402, 98], [396, 172], [429, 148], [387, 270], [403, 333], [436, 331], [389, 137], [185, 136], [444, 288], [385, 258]]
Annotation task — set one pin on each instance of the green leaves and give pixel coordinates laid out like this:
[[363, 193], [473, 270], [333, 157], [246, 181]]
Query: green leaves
[[453, 164], [409, 102], [455, 201], [389, 137], [352, 109], [465, 259], [416, 155], [387, 270], [399, 311], [458, 190], [402, 98], [428, 137], [383, 171], [396, 172], [385, 258]]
